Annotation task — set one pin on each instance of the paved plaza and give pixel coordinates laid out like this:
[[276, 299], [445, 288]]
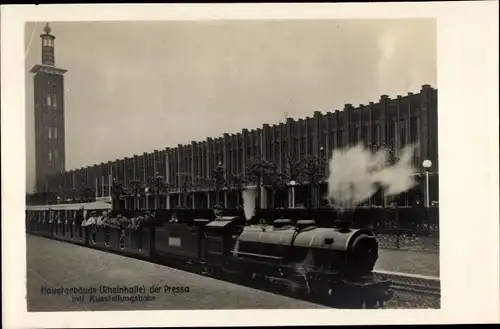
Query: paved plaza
[[408, 261]]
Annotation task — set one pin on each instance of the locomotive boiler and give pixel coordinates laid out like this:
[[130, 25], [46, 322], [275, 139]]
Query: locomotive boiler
[[334, 263]]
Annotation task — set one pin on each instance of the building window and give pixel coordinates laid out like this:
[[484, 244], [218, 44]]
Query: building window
[[402, 134], [52, 132], [364, 135], [394, 135], [355, 136], [413, 130], [339, 138], [51, 100], [376, 135]]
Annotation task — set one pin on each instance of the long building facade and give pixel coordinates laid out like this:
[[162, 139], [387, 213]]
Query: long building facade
[[187, 169]]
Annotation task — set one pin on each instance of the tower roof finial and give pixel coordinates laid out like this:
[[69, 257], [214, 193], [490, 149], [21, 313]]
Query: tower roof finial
[[47, 29]]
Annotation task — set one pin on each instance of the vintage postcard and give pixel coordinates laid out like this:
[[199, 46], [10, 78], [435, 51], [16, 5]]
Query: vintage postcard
[[209, 163]]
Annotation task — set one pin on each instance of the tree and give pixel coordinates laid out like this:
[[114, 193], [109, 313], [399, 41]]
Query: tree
[[294, 170], [158, 187], [137, 188], [258, 172], [237, 182], [86, 193], [275, 181], [118, 192], [185, 187], [219, 180], [314, 169]]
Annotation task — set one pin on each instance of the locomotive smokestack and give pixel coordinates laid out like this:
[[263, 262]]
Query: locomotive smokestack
[[249, 195]]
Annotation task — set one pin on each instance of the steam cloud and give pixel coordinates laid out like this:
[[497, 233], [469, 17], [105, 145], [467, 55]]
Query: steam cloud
[[249, 195], [357, 173]]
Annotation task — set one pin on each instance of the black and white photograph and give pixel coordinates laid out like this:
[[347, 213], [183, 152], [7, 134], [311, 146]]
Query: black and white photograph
[[234, 164], [283, 164]]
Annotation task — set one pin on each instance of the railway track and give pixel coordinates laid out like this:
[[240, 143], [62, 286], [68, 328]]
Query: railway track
[[413, 283]]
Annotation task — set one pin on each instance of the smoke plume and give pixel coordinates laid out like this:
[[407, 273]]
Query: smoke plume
[[249, 195], [355, 174]]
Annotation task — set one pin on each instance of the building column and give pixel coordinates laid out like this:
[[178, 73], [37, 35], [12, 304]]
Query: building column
[[384, 105], [263, 197], [208, 199], [425, 104], [225, 199], [193, 201], [167, 205], [289, 197]]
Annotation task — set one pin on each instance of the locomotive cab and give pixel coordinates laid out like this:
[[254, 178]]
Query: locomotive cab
[[221, 234]]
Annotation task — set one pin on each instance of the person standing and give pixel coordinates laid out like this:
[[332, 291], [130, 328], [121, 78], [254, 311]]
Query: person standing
[[122, 224], [218, 211], [92, 224]]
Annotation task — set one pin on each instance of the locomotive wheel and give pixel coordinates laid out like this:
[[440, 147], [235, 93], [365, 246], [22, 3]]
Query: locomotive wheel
[[370, 303]]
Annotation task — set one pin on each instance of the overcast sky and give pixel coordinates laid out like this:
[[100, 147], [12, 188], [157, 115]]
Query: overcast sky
[[133, 87]]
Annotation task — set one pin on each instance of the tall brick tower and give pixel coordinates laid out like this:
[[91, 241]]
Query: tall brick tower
[[50, 155]]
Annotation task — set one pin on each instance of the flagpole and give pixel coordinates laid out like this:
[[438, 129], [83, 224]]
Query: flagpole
[[110, 181]]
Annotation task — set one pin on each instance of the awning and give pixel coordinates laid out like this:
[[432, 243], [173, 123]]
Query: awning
[[97, 205]]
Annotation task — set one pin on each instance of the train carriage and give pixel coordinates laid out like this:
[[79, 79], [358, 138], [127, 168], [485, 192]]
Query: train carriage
[[62, 221]]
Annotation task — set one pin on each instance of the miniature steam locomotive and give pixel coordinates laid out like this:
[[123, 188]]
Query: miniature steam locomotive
[[333, 264]]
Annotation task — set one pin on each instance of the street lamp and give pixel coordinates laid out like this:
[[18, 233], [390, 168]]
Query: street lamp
[[292, 184], [427, 164]]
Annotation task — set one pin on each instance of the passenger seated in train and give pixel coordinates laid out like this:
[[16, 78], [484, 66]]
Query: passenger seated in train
[[122, 221], [174, 218], [145, 219], [133, 220], [91, 220], [111, 220], [101, 220], [218, 210]]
